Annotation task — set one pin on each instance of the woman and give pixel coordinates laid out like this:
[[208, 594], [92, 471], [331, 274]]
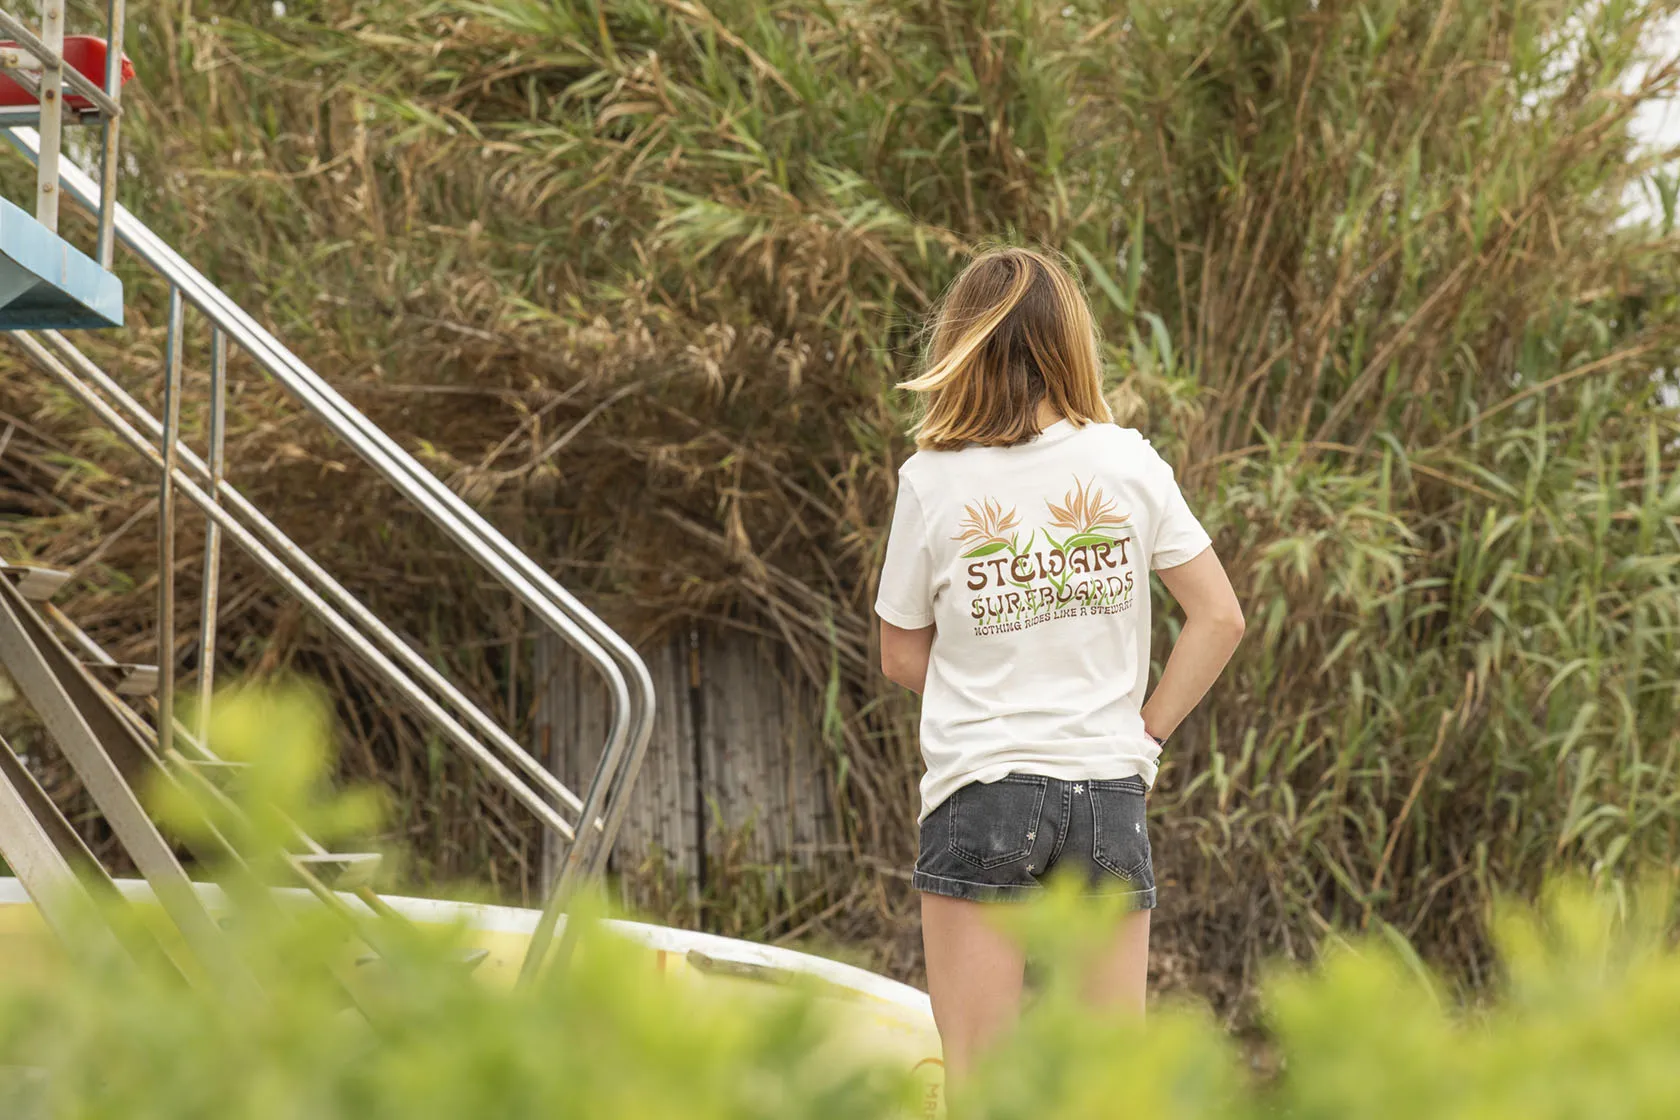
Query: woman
[[1015, 598]]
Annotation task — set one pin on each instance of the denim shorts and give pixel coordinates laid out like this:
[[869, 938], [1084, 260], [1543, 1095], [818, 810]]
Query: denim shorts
[[997, 841]]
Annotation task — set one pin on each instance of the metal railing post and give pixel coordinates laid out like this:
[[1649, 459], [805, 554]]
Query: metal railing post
[[52, 113], [212, 531], [166, 524], [107, 243]]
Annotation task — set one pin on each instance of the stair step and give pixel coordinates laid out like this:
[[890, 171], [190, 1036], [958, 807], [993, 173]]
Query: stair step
[[37, 584], [48, 284], [338, 870], [124, 679]]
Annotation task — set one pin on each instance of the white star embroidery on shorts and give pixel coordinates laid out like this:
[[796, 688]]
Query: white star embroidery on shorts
[[1078, 789], [1031, 836]]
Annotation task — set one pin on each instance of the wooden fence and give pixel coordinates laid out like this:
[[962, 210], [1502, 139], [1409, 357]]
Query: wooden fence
[[736, 752]]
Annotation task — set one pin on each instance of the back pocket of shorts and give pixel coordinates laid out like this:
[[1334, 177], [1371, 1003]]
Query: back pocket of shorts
[[995, 822], [1119, 831]]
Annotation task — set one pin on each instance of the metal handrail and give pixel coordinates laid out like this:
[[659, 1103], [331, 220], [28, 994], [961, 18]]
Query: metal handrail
[[270, 559], [209, 475], [625, 674]]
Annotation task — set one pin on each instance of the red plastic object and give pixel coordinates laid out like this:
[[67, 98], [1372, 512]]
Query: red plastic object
[[85, 53]]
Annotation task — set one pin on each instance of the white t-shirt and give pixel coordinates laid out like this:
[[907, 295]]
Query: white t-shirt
[[1033, 562]]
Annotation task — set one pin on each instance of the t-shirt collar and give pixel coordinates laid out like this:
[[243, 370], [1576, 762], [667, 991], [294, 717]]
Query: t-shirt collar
[[1059, 430]]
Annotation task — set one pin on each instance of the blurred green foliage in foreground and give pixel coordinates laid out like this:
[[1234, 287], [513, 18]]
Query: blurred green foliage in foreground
[[1586, 1022]]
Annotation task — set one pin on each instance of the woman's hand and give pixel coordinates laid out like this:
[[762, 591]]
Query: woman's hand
[[1213, 626]]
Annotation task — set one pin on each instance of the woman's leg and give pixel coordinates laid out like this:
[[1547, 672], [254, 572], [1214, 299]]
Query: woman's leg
[[974, 978], [1120, 970]]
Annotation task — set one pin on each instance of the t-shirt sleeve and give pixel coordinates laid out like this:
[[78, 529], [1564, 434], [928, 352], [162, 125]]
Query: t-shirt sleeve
[[1179, 537], [905, 598]]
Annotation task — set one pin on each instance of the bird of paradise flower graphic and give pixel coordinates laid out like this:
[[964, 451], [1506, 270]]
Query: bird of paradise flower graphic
[[1087, 515], [984, 528], [983, 533]]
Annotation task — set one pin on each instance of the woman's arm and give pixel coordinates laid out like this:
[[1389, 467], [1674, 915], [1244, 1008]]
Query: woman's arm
[[904, 655], [1213, 626]]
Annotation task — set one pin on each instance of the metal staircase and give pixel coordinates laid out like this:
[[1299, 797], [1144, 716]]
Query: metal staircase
[[81, 693]]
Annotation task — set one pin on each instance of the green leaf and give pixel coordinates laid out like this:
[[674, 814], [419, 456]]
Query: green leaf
[[986, 549], [1102, 279]]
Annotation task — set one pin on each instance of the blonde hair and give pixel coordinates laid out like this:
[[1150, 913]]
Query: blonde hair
[[1012, 329]]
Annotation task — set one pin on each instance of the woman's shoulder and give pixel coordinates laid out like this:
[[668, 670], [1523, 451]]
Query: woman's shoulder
[[1113, 439], [1130, 440], [924, 461]]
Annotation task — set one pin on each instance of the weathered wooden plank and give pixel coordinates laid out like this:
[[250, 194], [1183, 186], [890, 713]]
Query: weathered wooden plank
[[572, 719], [736, 742], [761, 762], [664, 804], [807, 780]]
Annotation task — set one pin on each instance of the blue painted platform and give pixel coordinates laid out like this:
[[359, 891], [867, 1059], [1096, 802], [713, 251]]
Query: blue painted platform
[[48, 284]]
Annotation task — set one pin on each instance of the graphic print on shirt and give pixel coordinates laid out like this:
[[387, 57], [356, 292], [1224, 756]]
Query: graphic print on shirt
[[1014, 585]]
